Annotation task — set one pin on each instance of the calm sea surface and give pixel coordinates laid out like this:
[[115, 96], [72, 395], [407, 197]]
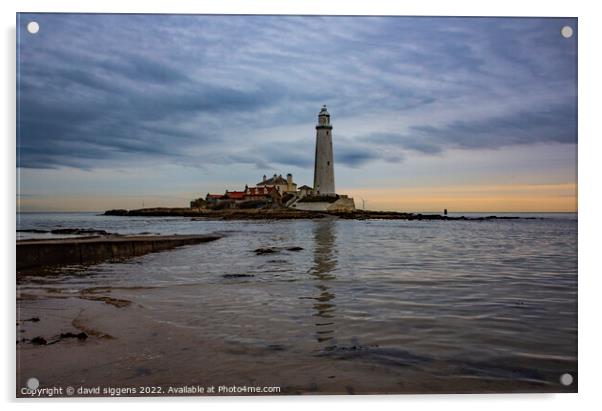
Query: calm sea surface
[[365, 304]]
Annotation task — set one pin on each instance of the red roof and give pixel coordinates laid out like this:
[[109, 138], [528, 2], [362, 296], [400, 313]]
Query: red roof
[[214, 195], [235, 195]]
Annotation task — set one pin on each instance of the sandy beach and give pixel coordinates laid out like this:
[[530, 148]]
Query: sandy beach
[[125, 349]]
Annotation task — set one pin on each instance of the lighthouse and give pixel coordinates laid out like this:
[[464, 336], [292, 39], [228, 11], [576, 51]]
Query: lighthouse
[[324, 165]]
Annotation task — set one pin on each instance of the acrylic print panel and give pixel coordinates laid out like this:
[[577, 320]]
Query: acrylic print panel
[[281, 205]]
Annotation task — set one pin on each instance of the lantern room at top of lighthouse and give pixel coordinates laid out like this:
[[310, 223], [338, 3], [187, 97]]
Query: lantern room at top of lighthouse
[[324, 118]]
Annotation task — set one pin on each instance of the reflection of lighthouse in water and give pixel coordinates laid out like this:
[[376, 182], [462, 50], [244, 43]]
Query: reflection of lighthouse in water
[[325, 262]]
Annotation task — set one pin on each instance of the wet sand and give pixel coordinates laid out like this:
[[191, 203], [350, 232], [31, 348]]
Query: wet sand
[[125, 348]]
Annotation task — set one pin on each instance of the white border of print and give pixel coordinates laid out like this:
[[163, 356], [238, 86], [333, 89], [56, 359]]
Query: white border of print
[[590, 91]]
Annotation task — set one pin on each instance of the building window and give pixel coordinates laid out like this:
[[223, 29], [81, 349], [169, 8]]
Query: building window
[[328, 163]]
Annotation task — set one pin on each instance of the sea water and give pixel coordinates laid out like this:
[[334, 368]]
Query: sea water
[[364, 306]]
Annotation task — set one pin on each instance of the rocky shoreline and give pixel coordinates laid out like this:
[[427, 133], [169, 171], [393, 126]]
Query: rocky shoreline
[[289, 214]]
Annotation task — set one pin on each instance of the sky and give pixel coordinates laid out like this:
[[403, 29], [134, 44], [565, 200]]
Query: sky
[[131, 111]]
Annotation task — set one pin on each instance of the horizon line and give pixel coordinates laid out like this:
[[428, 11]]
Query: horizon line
[[357, 209]]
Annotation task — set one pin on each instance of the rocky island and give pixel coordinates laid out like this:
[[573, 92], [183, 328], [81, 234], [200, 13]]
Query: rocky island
[[279, 198], [289, 214]]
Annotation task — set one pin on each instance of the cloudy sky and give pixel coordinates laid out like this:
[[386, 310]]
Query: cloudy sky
[[470, 114]]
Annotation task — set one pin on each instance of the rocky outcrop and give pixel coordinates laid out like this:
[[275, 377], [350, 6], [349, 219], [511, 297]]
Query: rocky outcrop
[[157, 212], [291, 214]]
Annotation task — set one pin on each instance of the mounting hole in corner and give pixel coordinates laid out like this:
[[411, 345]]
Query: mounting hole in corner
[[33, 27], [566, 32], [566, 379]]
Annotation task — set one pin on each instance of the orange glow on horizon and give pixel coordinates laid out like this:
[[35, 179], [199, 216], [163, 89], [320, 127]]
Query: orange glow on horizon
[[471, 198], [460, 198]]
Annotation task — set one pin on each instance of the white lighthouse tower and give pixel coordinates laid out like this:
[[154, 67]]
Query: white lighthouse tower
[[324, 166]]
